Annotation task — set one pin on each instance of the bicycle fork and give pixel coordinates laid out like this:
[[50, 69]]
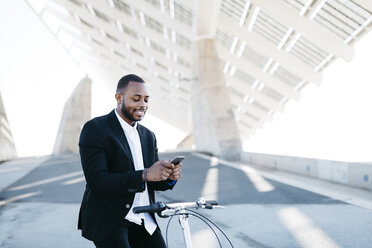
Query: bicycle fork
[[184, 222]]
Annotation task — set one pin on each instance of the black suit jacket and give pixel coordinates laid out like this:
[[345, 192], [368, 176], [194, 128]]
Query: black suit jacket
[[110, 175]]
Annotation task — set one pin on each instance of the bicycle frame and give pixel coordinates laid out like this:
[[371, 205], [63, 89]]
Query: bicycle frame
[[184, 222], [180, 209]]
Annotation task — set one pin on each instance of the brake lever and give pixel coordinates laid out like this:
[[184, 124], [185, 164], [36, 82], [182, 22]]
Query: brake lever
[[208, 206], [167, 213]]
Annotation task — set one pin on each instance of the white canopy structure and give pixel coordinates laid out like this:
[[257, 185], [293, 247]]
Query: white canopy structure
[[269, 49]]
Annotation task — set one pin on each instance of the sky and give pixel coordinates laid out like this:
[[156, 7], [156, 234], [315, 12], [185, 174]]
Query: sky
[[331, 121]]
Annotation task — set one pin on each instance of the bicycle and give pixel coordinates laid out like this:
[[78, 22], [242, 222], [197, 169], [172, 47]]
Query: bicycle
[[183, 211]]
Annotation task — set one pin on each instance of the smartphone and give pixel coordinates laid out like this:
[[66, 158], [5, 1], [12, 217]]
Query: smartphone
[[177, 160]]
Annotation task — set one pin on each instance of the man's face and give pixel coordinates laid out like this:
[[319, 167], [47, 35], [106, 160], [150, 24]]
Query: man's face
[[132, 102]]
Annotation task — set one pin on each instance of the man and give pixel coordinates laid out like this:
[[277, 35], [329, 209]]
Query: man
[[122, 171]]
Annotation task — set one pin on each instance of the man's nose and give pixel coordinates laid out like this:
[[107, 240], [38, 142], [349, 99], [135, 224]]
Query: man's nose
[[142, 103]]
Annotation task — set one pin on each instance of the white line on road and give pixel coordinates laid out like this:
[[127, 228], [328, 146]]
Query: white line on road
[[49, 180], [19, 197]]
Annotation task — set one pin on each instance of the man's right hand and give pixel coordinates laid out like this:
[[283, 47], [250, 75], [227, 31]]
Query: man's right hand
[[159, 171]]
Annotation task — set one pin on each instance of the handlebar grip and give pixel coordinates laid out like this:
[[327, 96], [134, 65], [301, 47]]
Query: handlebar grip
[[152, 208], [213, 202]]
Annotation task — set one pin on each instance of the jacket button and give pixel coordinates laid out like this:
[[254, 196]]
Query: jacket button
[[127, 206]]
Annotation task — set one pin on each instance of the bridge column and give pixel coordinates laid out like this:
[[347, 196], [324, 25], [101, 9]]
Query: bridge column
[[7, 147], [77, 111], [214, 126]]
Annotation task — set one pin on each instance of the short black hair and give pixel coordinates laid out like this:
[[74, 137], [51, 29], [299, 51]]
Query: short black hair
[[124, 81]]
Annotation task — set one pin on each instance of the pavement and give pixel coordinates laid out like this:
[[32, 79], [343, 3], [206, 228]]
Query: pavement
[[40, 199]]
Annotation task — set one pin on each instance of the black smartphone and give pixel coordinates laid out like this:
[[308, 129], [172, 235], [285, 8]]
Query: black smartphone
[[177, 160]]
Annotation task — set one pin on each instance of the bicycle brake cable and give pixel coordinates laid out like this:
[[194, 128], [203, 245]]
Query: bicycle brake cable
[[195, 215], [213, 225]]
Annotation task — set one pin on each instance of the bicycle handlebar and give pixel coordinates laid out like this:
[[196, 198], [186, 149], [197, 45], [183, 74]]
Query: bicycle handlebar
[[160, 206], [213, 203], [152, 208]]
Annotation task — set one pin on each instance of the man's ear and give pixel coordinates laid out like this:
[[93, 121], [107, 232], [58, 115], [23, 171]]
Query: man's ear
[[118, 98]]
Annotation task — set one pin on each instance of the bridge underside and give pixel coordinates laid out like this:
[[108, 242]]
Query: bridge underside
[[268, 50]]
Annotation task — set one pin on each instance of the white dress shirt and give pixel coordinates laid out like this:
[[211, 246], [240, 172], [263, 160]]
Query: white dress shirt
[[141, 198]]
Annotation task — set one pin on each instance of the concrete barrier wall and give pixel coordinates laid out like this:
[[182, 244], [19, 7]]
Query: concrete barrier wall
[[353, 174]]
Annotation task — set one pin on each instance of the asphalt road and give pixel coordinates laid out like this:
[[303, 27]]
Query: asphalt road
[[40, 208]]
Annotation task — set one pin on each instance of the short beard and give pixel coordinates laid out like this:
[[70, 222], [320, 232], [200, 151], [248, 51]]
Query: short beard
[[126, 113]]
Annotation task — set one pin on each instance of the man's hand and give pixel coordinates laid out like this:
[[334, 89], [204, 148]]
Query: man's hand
[[159, 171], [176, 172]]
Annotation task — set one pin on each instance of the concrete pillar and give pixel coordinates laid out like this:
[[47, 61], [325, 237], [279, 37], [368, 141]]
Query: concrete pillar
[[186, 143], [7, 147], [214, 126], [77, 111]]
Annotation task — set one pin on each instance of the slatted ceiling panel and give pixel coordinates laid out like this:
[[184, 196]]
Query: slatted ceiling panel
[[237, 93], [297, 4], [358, 9], [245, 124], [154, 24], [260, 106], [342, 19], [274, 25], [155, 3], [129, 31], [119, 54], [334, 20], [151, 47], [157, 47], [160, 65], [355, 11], [267, 91], [86, 23], [244, 77], [256, 58], [97, 42], [287, 77], [139, 53], [77, 2], [122, 6], [251, 116], [102, 16], [344, 15], [112, 38], [268, 28], [261, 31], [183, 62], [224, 39], [164, 79], [301, 85], [233, 8], [308, 52], [183, 14], [183, 41]]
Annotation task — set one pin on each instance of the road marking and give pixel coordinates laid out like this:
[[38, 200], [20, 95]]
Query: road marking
[[259, 182], [19, 197], [210, 188], [10, 169], [49, 180], [76, 180], [303, 229]]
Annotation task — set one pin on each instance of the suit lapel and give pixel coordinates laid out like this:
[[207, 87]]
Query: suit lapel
[[115, 124]]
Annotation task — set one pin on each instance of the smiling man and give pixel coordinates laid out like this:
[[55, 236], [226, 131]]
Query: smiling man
[[122, 170]]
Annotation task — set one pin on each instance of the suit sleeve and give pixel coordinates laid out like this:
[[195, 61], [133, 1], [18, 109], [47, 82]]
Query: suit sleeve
[[93, 153]]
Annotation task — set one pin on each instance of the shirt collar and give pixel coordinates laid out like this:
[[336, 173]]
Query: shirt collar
[[127, 128]]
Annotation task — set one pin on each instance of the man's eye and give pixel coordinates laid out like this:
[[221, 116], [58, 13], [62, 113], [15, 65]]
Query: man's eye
[[136, 99]]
